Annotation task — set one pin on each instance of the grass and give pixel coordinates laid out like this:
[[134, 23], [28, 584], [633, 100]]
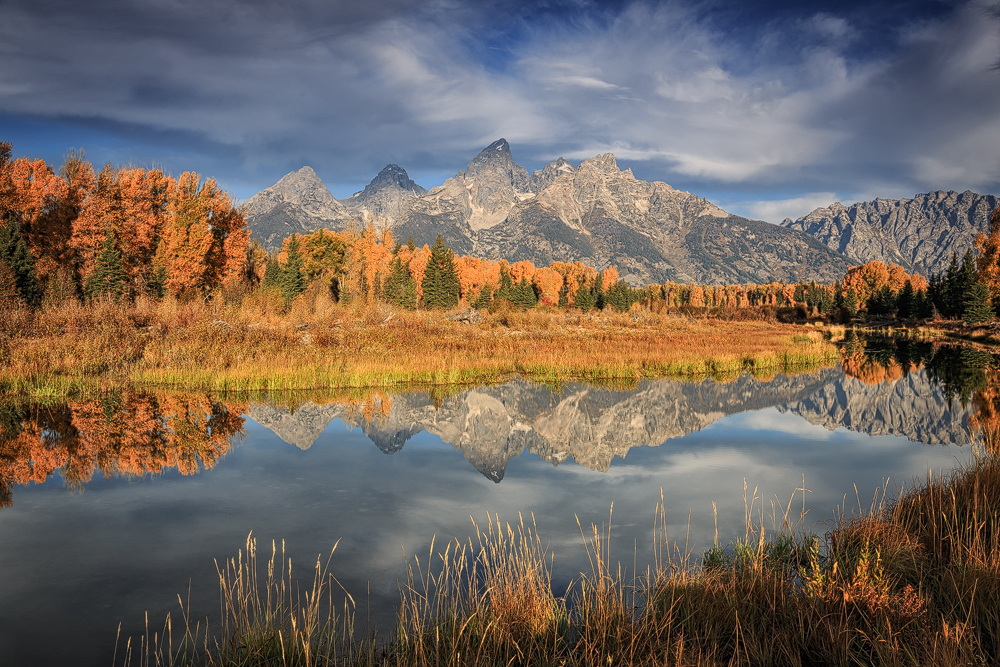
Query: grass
[[914, 581], [251, 345]]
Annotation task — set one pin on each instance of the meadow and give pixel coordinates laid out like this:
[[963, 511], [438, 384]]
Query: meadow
[[250, 341]]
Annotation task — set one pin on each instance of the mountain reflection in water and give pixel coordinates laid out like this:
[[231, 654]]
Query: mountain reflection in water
[[927, 393]]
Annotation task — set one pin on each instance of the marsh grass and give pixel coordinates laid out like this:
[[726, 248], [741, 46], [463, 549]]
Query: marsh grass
[[912, 581], [250, 343]]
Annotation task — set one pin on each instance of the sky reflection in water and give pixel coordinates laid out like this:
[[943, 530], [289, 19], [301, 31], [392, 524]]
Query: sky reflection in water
[[75, 564]]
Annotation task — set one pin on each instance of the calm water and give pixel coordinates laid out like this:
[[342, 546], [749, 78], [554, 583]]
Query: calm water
[[114, 507]]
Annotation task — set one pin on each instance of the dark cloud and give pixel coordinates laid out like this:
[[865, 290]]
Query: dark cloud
[[752, 102]]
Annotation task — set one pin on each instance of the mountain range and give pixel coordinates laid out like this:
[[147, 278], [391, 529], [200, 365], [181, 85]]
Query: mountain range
[[919, 234], [600, 215], [594, 213], [592, 425]]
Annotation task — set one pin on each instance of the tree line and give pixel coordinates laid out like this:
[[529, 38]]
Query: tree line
[[72, 232]]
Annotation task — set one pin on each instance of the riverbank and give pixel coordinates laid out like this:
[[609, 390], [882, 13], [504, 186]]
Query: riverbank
[[255, 345], [915, 581]]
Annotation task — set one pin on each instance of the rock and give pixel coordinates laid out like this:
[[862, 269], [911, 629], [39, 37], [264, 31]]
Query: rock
[[221, 324], [469, 316]]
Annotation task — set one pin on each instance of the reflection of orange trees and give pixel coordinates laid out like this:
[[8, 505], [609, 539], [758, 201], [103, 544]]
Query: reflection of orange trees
[[856, 364], [985, 417], [130, 434]]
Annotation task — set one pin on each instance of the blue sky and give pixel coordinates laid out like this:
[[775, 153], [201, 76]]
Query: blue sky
[[768, 109]]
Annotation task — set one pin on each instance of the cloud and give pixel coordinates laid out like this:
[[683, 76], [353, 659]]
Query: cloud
[[776, 210], [842, 100]]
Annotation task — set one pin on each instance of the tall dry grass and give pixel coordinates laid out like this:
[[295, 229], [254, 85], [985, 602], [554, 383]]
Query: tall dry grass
[[915, 581], [248, 341]]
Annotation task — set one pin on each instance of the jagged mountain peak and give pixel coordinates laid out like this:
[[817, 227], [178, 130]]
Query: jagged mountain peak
[[496, 155], [391, 176]]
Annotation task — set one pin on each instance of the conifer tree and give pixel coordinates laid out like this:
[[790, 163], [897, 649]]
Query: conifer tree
[[977, 306], [584, 296], [157, 283], [9, 294], [15, 254], [599, 291], [410, 244], [564, 295], [272, 274], [485, 298], [400, 287], [108, 276], [923, 307], [293, 282], [440, 285], [505, 291], [904, 301], [851, 302], [524, 295]]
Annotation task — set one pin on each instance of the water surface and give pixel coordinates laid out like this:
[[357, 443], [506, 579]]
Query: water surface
[[114, 506]]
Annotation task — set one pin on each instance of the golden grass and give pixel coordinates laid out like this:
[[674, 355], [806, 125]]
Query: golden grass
[[251, 344], [913, 582]]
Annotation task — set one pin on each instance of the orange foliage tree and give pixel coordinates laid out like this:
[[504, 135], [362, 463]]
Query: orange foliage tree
[[204, 238], [131, 203], [988, 261]]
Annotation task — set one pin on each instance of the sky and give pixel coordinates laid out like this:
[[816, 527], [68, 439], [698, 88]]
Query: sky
[[769, 109]]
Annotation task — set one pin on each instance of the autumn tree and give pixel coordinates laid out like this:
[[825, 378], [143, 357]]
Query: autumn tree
[[988, 261], [204, 240]]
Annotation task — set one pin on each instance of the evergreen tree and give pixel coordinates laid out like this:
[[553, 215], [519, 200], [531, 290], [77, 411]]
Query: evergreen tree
[[882, 303], [400, 287], [108, 277], [923, 307], [851, 302], [272, 274], [599, 291], [564, 294], [904, 302], [14, 253], [157, 283], [945, 302], [977, 306], [585, 299], [292, 282], [441, 286], [964, 281], [505, 292], [524, 295], [410, 244], [485, 298]]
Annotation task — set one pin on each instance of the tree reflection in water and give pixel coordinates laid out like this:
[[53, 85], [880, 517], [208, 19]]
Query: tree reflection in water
[[127, 433]]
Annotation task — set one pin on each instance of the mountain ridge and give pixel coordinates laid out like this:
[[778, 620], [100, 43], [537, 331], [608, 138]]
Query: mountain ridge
[[594, 213]]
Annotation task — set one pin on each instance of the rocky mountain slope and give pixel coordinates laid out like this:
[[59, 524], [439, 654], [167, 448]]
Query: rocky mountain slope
[[491, 425], [595, 213], [386, 197], [919, 234], [297, 204]]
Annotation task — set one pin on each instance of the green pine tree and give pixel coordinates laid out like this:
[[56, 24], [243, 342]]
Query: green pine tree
[[851, 302], [964, 281], [440, 285], [524, 295], [400, 288], [272, 274], [108, 277], [904, 302], [585, 298], [505, 291], [564, 295], [599, 291], [293, 281], [410, 244], [485, 298], [923, 307], [15, 254], [977, 307], [157, 283]]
